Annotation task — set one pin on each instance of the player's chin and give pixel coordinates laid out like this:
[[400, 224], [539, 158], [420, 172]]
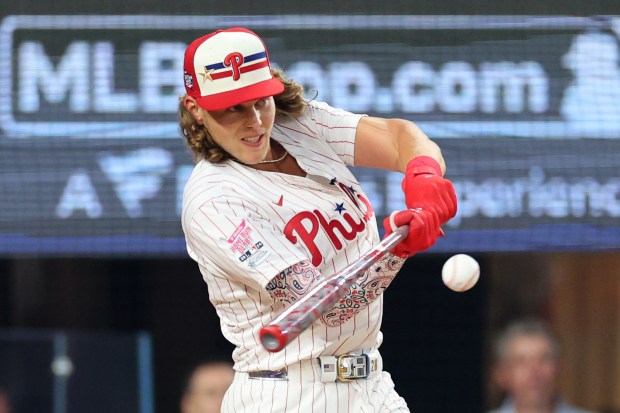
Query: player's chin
[[254, 158]]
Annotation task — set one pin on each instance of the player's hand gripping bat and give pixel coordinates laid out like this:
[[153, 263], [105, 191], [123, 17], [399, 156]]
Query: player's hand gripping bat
[[296, 318]]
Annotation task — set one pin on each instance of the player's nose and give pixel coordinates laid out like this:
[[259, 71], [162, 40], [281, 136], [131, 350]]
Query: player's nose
[[253, 118]]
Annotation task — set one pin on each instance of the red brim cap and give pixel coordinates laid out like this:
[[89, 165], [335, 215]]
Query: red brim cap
[[231, 98], [229, 67]]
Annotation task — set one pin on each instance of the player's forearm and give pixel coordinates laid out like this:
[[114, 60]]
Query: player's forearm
[[412, 142], [390, 144], [290, 285]]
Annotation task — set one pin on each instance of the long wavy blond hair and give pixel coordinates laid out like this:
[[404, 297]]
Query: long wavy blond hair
[[290, 102]]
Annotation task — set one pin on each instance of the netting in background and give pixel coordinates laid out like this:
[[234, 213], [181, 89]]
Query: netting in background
[[525, 108]]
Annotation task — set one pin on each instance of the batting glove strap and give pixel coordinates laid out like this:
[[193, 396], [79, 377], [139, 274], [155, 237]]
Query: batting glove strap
[[421, 165]]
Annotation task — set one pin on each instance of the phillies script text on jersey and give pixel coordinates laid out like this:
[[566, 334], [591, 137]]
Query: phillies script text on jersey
[[317, 220]]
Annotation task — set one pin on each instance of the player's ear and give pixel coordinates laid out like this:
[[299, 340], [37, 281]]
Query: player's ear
[[193, 108]]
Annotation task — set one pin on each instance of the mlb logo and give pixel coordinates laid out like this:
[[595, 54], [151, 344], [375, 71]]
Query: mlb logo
[[245, 256]]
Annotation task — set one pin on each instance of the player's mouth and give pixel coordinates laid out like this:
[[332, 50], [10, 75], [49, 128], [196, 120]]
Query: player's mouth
[[254, 141]]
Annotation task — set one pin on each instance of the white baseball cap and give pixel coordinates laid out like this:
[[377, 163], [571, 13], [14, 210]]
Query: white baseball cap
[[228, 67]]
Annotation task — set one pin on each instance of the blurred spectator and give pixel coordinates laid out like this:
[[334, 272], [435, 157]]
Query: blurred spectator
[[5, 402], [527, 364], [206, 386]]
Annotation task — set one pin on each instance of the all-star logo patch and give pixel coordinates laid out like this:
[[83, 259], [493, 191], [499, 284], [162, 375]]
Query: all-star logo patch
[[240, 238], [254, 255], [245, 243], [189, 80], [251, 251]]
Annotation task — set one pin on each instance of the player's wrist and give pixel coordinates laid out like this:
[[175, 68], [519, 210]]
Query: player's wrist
[[421, 165]]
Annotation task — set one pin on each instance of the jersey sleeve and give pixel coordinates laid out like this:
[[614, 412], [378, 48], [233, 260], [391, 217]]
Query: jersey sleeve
[[337, 128], [236, 245]]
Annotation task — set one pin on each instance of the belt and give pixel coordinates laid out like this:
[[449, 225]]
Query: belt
[[344, 368]]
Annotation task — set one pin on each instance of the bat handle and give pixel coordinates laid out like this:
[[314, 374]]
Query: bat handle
[[397, 236]]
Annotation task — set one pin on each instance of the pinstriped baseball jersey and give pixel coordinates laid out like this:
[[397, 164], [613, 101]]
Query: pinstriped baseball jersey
[[243, 226]]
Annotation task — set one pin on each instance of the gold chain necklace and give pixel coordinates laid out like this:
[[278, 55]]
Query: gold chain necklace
[[274, 160]]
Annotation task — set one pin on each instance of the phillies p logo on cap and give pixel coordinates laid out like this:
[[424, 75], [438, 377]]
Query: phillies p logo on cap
[[228, 67]]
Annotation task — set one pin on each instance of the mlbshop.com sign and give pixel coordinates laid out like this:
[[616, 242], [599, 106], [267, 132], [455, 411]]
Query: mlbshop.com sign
[[526, 110], [456, 76]]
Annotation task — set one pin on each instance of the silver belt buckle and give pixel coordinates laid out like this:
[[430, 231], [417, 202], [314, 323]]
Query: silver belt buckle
[[353, 367], [349, 367]]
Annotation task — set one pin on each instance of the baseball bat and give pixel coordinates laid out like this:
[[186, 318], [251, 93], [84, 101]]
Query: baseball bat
[[296, 318]]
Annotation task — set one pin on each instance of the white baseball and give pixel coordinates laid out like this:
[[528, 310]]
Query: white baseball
[[460, 272]]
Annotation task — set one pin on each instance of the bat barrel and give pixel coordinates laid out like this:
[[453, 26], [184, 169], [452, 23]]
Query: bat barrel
[[296, 318], [273, 338]]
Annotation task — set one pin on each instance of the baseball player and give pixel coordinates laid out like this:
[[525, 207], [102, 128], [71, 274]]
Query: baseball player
[[271, 209]]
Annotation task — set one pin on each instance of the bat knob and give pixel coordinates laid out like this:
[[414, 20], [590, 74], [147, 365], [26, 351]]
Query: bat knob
[[273, 338]]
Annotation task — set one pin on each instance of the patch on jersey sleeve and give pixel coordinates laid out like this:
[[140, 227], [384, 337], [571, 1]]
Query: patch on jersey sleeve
[[247, 246]]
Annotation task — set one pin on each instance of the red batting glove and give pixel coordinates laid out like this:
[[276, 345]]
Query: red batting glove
[[423, 230], [425, 188]]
